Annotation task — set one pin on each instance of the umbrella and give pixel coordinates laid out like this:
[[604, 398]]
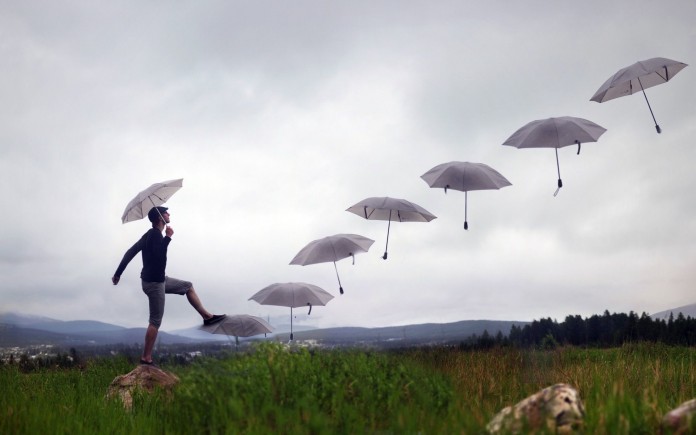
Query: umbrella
[[556, 133], [332, 248], [293, 295], [240, 325], [465, 176], [153, 196], [390, 209], [640, 75]]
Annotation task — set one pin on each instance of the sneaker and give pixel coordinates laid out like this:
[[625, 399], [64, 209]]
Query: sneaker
[[213, 320], [148, 363]]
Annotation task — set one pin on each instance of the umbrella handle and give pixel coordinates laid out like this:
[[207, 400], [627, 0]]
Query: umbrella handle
[[310, 308], [578, 142]]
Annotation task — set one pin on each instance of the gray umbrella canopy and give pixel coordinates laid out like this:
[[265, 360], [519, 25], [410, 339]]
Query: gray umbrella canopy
[[332, 249], [639, 76], [556, 133], [390, 209], [239, 325], [153, 196], [465, 176], [293, 295]]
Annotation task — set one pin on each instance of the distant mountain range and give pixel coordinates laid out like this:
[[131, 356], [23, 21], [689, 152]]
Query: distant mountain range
[[19, 330], [686, 310], [409, 334]]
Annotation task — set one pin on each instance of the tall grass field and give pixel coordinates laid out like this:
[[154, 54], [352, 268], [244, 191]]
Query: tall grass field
[[276, 389]]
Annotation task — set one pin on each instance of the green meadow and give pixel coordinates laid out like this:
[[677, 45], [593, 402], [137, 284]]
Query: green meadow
[[276, 389]]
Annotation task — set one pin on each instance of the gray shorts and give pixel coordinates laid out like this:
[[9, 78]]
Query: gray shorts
[[155, 292]]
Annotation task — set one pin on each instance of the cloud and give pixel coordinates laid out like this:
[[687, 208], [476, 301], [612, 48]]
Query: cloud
[[279, 116]]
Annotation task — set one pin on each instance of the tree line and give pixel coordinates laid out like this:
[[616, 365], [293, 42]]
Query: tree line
[[606, 330]]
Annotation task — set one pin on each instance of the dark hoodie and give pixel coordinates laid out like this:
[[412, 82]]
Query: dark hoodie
[[154, 248]]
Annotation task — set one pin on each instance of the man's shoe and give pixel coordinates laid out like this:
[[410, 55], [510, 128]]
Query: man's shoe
[[213, 320], [148, 363]]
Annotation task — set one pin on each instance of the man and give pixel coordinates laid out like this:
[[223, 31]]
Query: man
[[154, 281]]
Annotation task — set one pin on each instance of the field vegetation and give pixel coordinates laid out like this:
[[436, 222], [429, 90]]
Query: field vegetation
[[277, 389]]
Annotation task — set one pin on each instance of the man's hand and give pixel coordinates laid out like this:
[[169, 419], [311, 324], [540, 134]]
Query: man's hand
[[115, 279], [169, 231]]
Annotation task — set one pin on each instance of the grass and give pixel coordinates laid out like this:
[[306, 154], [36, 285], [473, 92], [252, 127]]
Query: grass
[[626, 390]]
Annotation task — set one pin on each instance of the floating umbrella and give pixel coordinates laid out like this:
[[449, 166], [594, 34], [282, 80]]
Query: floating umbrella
[[293, 295], [239, 325], [556, 133], [640, 75], [390, 209], [332, 248], [153, 196], [465, 176]]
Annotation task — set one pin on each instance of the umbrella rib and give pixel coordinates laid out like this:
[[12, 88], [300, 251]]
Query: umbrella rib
[[367, 216], [666, 78], [156, 196]]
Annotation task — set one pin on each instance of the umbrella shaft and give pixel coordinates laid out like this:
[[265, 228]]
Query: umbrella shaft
[[386, 247], [466, 200], [337, 277], [657, 127], [558, 167]]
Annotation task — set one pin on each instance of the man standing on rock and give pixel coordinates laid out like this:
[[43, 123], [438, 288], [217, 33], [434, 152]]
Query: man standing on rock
[[154, 281]]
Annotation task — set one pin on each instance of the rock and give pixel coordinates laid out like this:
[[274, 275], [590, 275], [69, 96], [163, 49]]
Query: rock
[[558, 407], [680, 419], [144, 378]]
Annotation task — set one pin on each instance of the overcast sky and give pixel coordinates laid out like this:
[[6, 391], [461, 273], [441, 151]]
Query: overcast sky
[[279, 115]]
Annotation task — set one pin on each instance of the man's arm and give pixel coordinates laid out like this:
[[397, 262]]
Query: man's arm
[[127, 257]]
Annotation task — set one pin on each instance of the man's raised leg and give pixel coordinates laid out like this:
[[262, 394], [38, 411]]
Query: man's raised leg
[[195, 302]]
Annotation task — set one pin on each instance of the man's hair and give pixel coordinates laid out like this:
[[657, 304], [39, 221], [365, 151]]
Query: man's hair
[[155, 213]]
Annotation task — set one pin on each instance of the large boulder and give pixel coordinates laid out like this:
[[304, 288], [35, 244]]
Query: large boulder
[[681, 419], [143, 378], [557, 407]]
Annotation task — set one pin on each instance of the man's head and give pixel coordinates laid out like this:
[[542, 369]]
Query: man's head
[[157, 213]]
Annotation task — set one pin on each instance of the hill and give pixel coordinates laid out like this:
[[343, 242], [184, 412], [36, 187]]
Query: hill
[[18, 336], [428, 333], [22, 330], [686, 310]]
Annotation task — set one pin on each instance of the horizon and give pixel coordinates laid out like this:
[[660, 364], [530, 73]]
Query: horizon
[[277, 321]]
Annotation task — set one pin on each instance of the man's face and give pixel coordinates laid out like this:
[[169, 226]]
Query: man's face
[[165, 216]]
